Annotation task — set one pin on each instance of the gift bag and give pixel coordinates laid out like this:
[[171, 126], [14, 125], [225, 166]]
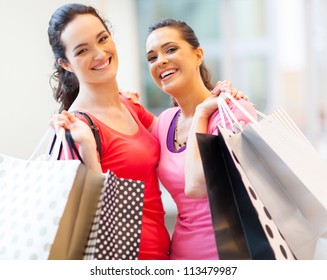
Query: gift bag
[[46, 208], [289, 177], [116, 230], [238, 231]]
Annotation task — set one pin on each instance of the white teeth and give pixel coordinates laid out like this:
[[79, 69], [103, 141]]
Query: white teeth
[[166, 73], [102, 66]]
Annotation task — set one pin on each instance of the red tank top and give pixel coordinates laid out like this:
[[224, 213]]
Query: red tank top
[[136, 157]]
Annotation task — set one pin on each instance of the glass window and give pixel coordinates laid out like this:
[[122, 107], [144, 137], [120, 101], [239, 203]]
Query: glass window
[[249, 19]]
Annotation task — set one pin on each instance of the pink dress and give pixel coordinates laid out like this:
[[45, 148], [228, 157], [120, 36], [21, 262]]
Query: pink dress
[[193, 236]]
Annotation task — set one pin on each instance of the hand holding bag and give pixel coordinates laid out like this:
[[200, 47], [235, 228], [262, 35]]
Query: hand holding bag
[[240, 222], [238, 230], [47, 207], [289, 177], [117, 226]]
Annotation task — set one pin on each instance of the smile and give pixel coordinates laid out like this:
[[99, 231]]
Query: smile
[[167, 73], [103, 65]]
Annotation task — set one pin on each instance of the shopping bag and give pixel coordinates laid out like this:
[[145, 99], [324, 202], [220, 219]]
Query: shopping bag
[[116, 227], [242, 225], [237, 212], [77, 219], [289, 177], [116, 230], [46, 208]]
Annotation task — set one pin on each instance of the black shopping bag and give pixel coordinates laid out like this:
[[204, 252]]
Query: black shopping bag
[[238, 230]]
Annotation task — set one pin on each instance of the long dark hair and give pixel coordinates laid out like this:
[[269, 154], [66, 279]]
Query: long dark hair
[[189, 36], [66, 87]]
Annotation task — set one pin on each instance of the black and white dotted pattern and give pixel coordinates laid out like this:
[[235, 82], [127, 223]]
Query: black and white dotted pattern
[[116, 230], [276, 240], [278, 244]]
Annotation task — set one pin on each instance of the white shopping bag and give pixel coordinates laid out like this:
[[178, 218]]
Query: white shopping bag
[[46, 207], [290, 178]]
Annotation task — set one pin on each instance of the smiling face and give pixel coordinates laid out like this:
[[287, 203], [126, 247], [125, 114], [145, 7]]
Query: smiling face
[[173, 63], [91, 53]]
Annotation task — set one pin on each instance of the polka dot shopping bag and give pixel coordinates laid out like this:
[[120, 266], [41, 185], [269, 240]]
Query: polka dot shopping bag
[[116, 229], [243, 227], [289, 177], [284, 177], [46, 208]]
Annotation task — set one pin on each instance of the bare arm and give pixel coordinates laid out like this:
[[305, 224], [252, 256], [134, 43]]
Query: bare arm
[[195, 186]]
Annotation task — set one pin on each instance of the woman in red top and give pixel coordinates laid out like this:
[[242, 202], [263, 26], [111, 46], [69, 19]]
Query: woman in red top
[[86, 65]]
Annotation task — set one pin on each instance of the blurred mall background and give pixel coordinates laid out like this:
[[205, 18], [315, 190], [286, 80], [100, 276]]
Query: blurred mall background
[[275, 51]]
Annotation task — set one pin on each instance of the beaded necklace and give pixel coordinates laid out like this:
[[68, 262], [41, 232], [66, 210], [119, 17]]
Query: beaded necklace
[[179, 144]]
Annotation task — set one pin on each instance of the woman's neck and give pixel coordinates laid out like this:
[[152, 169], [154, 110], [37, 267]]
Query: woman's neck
[[189, 100], [95, 98]]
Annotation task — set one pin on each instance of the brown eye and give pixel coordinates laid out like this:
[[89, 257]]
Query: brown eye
[[171, 50], [80, 52], [151, 58], [103, 39]]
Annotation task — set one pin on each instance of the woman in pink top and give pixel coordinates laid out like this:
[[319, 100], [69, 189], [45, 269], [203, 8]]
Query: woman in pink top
[[175, 61]]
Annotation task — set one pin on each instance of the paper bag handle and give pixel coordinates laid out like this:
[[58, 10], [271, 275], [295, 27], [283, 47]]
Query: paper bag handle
[[60, 137], [225, 111]]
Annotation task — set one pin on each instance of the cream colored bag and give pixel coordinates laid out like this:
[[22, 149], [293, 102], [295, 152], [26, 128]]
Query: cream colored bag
[[46, 207], [289, 177]]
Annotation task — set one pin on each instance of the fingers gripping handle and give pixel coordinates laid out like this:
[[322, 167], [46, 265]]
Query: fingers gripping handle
[[226, 112]]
